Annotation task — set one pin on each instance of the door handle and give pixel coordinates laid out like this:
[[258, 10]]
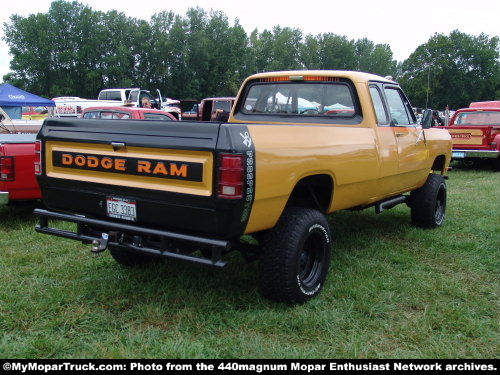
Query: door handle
[[399, 134]]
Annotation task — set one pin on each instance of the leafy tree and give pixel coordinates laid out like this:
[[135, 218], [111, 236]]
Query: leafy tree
[[460, 68], [75, 50]]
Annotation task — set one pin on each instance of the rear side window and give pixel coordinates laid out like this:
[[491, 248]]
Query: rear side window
[[303, 99], [121, 116], [378, 105], [106, 115], [156, 116], [114, 95]]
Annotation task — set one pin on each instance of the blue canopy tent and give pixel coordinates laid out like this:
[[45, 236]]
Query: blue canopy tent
[[13, 99]]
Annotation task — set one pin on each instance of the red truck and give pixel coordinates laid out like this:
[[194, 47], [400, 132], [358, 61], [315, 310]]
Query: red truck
[[475, 132], [17, 173]]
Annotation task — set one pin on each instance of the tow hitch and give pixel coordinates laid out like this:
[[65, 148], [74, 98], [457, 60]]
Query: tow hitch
[[109, 233], [98, 246]]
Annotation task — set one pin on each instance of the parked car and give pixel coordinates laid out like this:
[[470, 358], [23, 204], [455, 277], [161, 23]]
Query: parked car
[[73, 106], [170, 191], [125, 113], [210, 108], [475, 132]]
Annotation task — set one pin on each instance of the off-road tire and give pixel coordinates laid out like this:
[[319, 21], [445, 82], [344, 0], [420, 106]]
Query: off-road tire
[[428, 203], [130, 258], [295, 257]]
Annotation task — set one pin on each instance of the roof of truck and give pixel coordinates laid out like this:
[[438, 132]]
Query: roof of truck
[[352, 75], [491, 104]]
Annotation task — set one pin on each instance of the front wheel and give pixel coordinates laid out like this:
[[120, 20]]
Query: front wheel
[[295, 257], [428, 203]]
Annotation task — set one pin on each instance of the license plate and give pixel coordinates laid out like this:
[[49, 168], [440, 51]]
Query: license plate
[[458, 155], [121, 208]]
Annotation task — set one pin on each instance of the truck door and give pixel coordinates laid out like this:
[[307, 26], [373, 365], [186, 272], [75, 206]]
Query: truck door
[[388, 151], [410, 139]]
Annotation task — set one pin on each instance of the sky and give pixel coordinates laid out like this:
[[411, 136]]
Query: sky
[[403, 27]]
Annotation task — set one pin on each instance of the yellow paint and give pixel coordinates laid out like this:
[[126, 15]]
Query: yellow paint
[[203, 188], [366, 162]]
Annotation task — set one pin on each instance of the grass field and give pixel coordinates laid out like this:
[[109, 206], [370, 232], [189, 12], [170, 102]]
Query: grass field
[[393, 291]]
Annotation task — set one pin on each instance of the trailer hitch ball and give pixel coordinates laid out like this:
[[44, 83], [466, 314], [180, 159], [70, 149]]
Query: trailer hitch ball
[[99, 245]]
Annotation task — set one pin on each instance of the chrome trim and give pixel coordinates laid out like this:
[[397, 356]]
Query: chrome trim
[[486, 154]]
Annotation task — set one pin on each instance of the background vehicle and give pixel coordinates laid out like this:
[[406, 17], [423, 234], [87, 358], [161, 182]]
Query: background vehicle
[[475, 132], [209, 107], [73, 106], [123, 113], [273, 172], [35, 113], [9, 126], [189, 109], [17, 174]]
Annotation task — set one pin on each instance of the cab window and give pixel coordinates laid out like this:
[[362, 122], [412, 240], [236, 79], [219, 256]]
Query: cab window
[[398, 106], [91, 115], [378, 105], [224, 105], [106, 115], [156, 116], [300, 99], [121, 116], [110, 95]]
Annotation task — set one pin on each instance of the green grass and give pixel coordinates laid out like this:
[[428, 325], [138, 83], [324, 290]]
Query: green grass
[[393, 291]]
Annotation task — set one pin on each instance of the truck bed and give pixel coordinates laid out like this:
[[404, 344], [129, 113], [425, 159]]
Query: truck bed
[[165, 170]]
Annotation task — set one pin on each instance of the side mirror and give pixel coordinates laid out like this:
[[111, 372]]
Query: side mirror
[[2, 117], [426, 119]]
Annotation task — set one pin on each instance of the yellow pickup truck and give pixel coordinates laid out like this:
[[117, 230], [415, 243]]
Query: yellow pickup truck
[[298, 145]]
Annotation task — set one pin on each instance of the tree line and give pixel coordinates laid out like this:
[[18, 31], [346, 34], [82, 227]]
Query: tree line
[[73, 50]]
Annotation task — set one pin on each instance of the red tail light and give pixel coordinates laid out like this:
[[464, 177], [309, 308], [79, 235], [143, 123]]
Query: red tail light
[[38, 157], [7, 170], [231, 168]]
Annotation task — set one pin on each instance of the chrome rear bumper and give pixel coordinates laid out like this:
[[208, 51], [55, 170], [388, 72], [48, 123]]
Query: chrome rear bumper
[[479, 154]]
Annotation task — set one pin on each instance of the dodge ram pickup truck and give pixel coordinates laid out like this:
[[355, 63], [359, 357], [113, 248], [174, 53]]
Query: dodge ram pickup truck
[[298, 145]]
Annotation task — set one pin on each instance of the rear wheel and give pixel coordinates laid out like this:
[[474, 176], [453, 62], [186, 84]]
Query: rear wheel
[[130, 258], [295, 257], [428, 204]]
